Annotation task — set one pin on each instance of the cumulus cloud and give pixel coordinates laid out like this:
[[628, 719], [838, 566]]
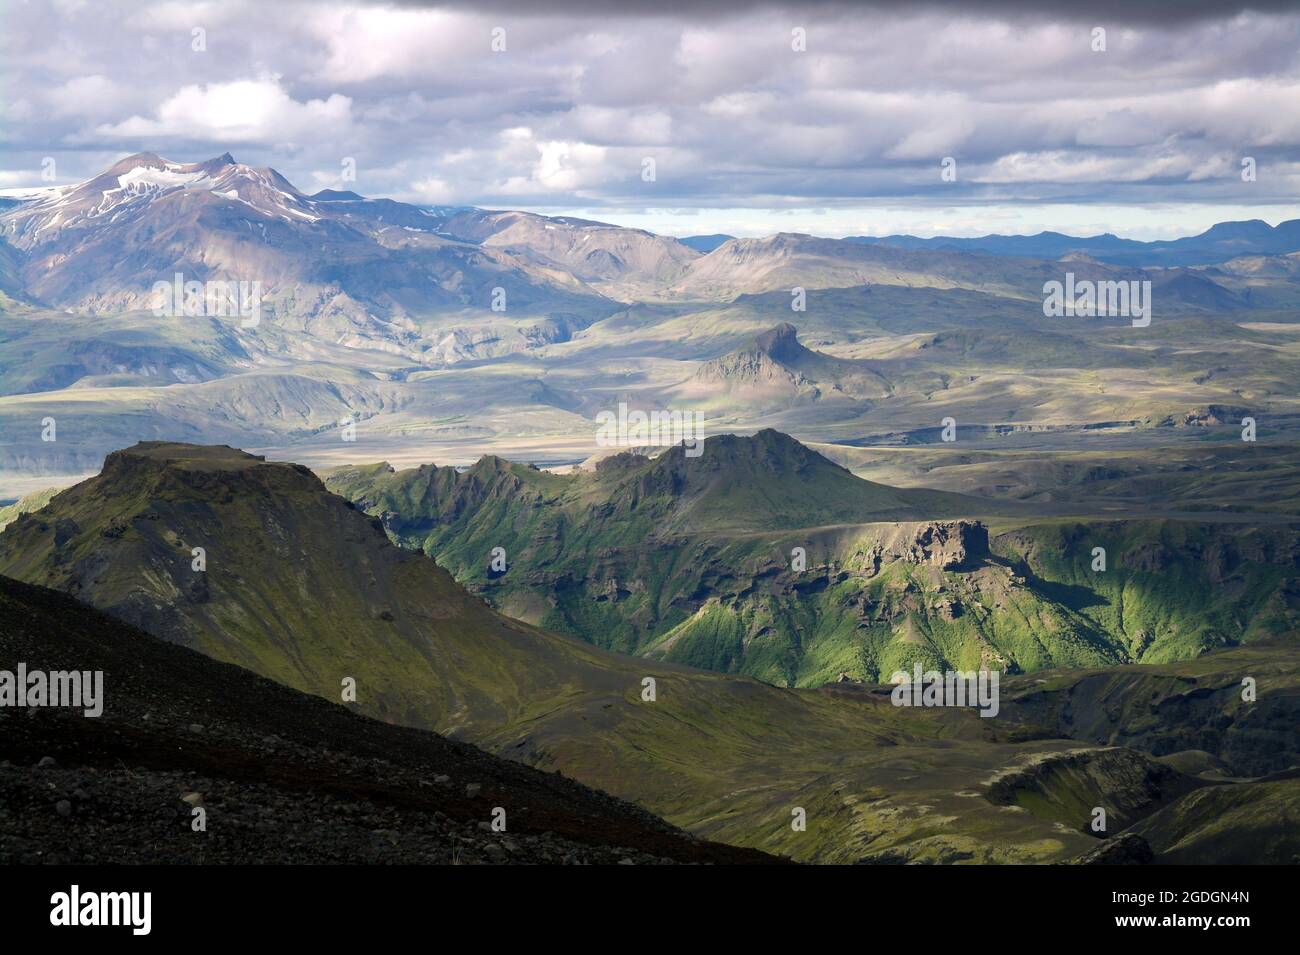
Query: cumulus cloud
[[432, 191], [241, 111], [86, 96]]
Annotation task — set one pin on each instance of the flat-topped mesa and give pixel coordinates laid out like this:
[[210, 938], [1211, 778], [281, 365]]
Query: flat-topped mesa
[[770, 451], [165, 467], [181, 454]]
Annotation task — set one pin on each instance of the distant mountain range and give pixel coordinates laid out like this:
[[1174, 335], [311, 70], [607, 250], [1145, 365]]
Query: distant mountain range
[[706, 243], [337, 263], [389, 313], [1219, 243], [333, 266]]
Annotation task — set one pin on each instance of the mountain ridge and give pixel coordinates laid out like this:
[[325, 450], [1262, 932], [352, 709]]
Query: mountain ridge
[[1219, 243]]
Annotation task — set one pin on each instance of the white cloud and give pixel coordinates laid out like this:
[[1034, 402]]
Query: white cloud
[[620, 126], [363, 43], [85, 96], [242, 111], [1063, 166], [432, 190], [562, 165]]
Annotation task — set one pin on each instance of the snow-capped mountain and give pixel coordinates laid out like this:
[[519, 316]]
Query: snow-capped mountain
[[129, 189], [338, 266]]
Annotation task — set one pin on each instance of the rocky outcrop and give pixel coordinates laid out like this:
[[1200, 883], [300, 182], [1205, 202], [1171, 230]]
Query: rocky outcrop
[[947, 545], [775, 363]]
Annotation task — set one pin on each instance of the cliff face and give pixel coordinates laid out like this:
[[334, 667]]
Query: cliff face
[[1064, 787]]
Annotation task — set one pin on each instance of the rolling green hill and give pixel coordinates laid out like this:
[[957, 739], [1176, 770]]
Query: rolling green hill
[[692, 560]]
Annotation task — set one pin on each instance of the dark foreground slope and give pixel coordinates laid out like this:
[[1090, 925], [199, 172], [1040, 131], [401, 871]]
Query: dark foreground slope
[[283, 776]]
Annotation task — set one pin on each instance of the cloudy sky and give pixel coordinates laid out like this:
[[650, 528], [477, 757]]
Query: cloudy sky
[[748, 134]]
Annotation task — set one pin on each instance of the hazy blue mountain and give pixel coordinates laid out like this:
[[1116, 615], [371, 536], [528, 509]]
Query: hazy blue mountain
[[706, 243], [1219, 243]]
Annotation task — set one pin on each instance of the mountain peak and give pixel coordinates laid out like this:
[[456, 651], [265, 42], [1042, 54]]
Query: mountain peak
[[147, 186], [336, 195], [135, 161], [764, 481], [151, 160], [764, 457], [217, 165]]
